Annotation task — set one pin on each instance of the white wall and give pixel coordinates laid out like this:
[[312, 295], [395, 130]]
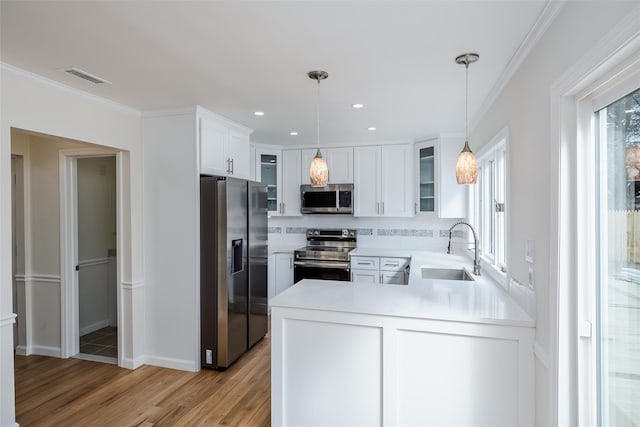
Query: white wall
[[35, 104], [41, 267], [96, 178], [524, 106], [172, 258]]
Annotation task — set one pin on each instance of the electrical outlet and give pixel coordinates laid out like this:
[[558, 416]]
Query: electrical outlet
[[530, 252], [209, 357], [531, 277]]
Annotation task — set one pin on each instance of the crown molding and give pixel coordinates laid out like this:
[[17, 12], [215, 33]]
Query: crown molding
[[4, 67], [546, 17]]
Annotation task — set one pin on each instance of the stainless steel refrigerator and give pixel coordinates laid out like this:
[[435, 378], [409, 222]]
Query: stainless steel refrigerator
[[233, 268]]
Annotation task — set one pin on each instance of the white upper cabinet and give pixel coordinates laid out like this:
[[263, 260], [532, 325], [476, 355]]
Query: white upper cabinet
[[366, 181], [290, 183], [436, 190], [340, 164], [239, 153], [396, 181], [383, 181], [224, 146], [279, 170], [268, 170], [339, 161], [214, 145]]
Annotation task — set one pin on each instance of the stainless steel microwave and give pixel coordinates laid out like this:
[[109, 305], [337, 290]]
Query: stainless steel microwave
[[331, 199]]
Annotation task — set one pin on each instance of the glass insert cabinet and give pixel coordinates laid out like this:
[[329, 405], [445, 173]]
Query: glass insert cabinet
[[427, 182], [269, 174]]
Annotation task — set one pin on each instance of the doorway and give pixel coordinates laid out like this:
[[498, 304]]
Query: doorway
[[90, 246], [14, 247], [97, 264]]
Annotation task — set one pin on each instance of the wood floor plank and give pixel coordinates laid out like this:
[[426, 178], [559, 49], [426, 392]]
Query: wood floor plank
[[70, 392]]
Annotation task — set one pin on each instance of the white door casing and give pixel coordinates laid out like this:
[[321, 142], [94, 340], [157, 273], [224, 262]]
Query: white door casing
[[69, 311]]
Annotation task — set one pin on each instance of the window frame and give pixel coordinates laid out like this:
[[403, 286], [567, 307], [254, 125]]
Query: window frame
[[496, 154], [589, 236]]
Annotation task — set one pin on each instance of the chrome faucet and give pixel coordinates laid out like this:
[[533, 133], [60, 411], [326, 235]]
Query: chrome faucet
[[476, 259]]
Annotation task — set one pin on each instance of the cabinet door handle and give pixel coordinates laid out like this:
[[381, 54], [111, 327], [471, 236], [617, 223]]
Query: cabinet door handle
[[232, 167], [382, 208], [378, 208]]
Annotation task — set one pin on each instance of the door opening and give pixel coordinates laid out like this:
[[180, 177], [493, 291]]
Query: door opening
[[14, 248], [96, 262]]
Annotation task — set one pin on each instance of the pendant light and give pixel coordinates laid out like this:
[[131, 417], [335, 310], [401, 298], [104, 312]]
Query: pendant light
[[318, 171], [467, 165]]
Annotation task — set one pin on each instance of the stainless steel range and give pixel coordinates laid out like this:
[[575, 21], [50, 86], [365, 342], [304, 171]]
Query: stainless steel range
[[326, 255]]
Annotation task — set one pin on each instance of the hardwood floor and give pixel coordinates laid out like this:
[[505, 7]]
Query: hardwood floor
[[72, 392]]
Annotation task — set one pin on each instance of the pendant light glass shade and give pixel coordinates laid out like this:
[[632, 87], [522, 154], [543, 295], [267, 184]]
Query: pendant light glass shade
[[467, 165], [318, 171]]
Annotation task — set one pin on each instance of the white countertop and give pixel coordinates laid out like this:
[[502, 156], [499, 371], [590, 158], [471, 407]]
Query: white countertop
[[282, 249], [480, 301], [382, 252]]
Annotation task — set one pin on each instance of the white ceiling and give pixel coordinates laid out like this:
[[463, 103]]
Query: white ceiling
[[236, 57]]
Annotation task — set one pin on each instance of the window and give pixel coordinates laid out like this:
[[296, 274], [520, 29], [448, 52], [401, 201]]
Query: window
[[617, 137], [489, 204]]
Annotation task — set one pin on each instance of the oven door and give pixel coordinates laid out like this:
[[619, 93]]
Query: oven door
[[323, 270]]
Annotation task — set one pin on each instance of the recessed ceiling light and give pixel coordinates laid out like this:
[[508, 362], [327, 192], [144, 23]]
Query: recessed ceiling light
[[357, 105], [371, 128], [294, 133], [259, 113]]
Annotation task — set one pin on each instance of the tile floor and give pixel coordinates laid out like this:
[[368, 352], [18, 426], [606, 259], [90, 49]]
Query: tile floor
[[103, 342]]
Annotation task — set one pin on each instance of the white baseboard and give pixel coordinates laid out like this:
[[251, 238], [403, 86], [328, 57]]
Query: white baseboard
[[167, 362], [94, 327], [133, 363], [44, 350], [21, 350]]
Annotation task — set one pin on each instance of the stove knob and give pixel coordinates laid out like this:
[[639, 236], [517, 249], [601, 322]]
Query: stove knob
[[316, 232], [352, 233]]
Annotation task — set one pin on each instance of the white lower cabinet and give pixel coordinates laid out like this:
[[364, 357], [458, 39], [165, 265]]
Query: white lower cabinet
[[398, 371], [380, 270], [365, 276], [280, 276]]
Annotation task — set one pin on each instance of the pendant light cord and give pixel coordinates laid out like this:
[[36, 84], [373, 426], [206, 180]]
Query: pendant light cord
[[318, 116], [466, 103]]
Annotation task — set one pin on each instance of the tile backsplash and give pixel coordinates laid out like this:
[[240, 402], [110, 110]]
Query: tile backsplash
[[406, 233]]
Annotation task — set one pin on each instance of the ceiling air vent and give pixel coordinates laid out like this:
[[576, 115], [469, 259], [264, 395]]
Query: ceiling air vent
[[84, 75]]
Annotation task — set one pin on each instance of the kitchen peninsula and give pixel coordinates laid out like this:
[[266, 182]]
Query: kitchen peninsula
[[433, 352]]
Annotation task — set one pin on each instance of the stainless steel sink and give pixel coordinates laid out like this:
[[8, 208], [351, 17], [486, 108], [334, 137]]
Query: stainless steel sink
[[446, 274]]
